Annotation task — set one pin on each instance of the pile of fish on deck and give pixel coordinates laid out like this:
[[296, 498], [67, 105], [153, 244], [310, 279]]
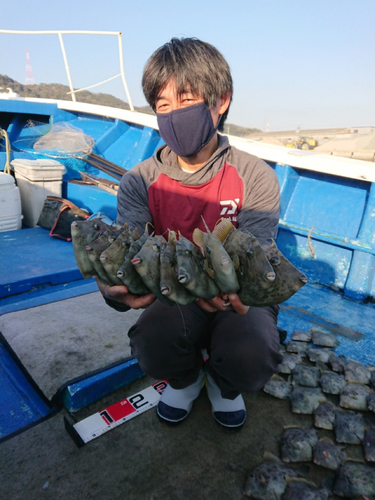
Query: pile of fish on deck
[[179, 271], [314, 379]]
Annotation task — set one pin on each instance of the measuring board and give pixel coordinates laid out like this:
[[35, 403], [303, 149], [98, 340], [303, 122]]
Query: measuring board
[[105, 420]]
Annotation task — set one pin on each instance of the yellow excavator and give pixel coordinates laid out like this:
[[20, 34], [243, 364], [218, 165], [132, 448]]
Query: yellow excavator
[[305, 143]]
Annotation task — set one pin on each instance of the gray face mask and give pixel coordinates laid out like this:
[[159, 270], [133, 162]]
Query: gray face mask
[[187, 130]]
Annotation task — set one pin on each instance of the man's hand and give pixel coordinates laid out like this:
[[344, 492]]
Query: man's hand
[[120, 294], [224, 302]]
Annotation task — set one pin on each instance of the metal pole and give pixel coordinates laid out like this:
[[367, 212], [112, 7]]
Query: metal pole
[[67, 66], [122, 71]]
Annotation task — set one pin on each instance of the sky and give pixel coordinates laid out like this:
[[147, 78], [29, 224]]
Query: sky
[[295, 64]]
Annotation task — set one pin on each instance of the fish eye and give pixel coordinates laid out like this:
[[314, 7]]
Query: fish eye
[[208, 249], [275, 261], [249, 251], [156, 247], [96, 226]]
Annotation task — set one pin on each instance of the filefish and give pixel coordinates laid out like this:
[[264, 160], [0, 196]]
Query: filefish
[[127, 273], [296, 445], [147, 265], [218, 264], [368, 444], [300, 489], [169, 284], [332, 382], [306, 399], [318, 354], [278, 387], [268, 480], [190, 270], [354, 396], [289, 362], [301, 336], [113, 256], [83, 233], [323, 339], [327, 454], [324, 415], [349, 427], [371, 401], [357, 372], [287, 282], [354, 479], [95, 249], [305, 375], [253, 270], [297, 347], [337, 363]]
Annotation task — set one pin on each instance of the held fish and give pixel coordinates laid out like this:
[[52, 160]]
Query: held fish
[[113, 256], [95, 249], [127, 273], [190, 270], [147, 265], [254, 272], [218, 263], [84, 233], [169, 284], [287, 282]]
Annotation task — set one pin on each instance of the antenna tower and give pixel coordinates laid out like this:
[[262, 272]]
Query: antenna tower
[[29, 77]]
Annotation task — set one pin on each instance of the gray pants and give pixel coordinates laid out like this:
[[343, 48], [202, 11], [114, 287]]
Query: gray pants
[[243, 349]]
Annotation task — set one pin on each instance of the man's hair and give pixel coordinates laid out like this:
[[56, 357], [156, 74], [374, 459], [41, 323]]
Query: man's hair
[[194, 65]]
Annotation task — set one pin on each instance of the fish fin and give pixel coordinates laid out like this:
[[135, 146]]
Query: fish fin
[[236, 261], [148, 225], [172, 237], [267, 455], [198, 239], [326, 439], [222, 229], [205, 225], [208, 270]]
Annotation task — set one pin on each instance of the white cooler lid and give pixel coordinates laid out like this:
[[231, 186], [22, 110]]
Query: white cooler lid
[[39, 169]]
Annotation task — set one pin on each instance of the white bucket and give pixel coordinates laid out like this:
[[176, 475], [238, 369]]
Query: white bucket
[[10, 204], [36, 180]]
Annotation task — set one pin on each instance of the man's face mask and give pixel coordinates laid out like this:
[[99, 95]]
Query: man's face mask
[[187, 130]]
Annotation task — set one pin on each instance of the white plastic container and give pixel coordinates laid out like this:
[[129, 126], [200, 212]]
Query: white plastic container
[[36, 180], [10, 204]]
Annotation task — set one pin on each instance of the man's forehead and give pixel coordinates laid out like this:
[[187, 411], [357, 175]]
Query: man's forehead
[[171, 88]]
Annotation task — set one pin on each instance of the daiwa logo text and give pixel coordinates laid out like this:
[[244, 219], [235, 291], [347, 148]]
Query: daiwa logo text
[[229, 206]]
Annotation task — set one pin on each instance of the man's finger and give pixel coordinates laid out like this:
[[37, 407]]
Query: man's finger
[[236, 303], [203, 304]]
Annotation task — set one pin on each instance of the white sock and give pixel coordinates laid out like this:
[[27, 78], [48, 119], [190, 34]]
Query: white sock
[[218, 402], [183, 398]]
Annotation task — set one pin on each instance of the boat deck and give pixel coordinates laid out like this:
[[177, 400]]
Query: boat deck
[[92, 337]]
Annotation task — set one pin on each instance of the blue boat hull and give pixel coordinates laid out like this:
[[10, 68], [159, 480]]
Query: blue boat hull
[[326, 229]]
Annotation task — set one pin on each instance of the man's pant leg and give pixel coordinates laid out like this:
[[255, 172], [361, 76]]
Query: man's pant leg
[[167, 341], [244, 350]]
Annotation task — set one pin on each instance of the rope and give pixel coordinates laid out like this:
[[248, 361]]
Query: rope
[[7, 168]]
